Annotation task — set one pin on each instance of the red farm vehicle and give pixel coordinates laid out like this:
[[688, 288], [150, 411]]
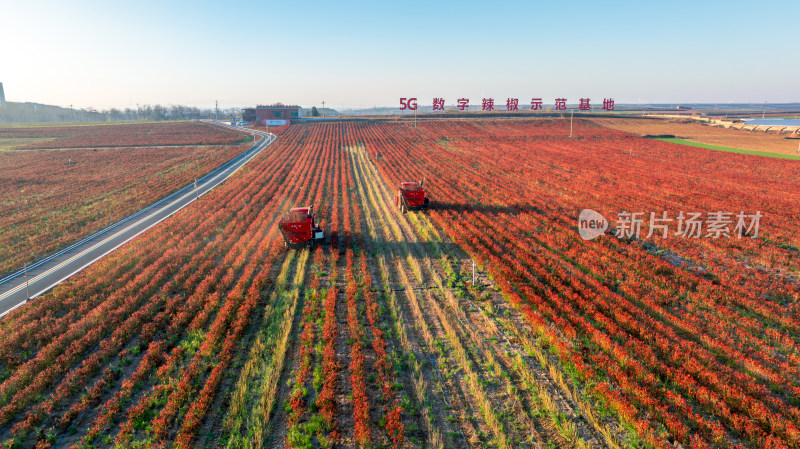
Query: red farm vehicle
[[411, 196], [299, 228]]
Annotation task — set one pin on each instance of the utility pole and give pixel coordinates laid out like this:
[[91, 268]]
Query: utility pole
[[27, 290], [323, 108], [216, 109], [571, 113]]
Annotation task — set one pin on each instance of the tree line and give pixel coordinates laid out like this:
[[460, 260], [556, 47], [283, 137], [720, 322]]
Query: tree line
[[35, 113]]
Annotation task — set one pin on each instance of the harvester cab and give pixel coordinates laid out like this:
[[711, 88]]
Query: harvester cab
[[411, 196], [299, 228]]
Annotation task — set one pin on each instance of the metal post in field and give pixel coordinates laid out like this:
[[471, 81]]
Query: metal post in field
[[473, 272]]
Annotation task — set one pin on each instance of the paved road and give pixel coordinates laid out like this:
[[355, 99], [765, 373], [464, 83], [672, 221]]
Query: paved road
[[48, 272]]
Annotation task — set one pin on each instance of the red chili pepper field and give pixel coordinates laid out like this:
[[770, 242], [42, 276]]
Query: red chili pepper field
[[206, 332]]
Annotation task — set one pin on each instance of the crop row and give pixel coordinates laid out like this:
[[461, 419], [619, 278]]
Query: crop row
[[116, 135], [727, 383], [177, 321], [53, 198]]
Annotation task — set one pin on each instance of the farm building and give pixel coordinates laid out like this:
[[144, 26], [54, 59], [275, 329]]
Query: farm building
[[273, 112]]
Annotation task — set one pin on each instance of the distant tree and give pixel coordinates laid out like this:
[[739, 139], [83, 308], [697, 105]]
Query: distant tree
[[114, 114], [314, 112], [159, 113], [33, 112], [177, 112]]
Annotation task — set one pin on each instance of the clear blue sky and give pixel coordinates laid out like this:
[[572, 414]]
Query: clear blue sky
[[350, 54]]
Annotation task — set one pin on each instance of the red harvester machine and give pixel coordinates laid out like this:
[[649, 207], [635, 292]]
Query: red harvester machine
[[299, 228], [411, 196]]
